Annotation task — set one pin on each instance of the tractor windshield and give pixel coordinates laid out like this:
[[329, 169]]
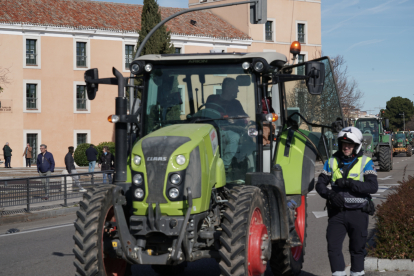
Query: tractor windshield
[[219, 94], [400, 136], [368, 127], [321, 109]]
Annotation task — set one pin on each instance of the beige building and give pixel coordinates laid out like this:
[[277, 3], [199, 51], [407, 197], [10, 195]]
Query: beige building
[[47, 45]]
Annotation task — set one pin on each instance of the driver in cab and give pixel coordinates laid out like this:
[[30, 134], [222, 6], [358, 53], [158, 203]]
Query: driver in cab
[[228, 106]]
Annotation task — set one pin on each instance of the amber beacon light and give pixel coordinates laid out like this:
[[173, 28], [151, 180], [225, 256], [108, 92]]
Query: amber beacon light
[[295, 48]]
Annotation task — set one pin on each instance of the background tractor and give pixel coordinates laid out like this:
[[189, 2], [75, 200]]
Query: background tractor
[[402, 144], [193, 176], [377, 144]]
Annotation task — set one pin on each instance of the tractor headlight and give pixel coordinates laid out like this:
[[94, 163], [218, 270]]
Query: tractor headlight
[[139, 193], [258, 66], [180, 159], [137, 160], [174, 193], [137, 179], [175, 179], [246, 65], [134, 68], [148, 67]]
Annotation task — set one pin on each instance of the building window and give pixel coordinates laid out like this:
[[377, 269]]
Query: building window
[[129, 55], [81, 54], [177, 50], [31, 96], [81, 138], [301, 69], [31, 54], [32, 140], [81, 97], [269, 30], [301, 32]]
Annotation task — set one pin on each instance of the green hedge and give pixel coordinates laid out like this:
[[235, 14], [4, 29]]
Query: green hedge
[[395, 224], [80, 155], [110, 145]]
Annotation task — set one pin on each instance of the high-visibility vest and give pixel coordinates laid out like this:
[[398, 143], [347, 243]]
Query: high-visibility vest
[[352, 200]]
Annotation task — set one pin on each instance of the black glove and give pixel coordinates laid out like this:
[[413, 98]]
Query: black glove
[[336, 199], [343, 183]]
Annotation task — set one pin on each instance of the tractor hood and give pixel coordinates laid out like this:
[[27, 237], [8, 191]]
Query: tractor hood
[[189, 150]]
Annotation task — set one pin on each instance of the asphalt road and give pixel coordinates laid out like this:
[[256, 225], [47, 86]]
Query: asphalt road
[[45, 247]]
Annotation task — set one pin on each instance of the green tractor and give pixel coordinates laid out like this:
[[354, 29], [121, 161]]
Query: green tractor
[[402, 144], [376, 144], [194, 178]]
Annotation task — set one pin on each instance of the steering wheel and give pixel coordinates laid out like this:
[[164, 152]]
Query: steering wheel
[[214, 104]]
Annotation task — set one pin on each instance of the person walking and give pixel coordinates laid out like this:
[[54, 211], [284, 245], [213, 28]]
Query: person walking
[[91, 155], [28, 155], [7, 153], [70, 167], [106, 162], [45, 166], [353, 178]]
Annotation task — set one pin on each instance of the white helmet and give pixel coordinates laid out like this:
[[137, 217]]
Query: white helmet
[[351, 135]]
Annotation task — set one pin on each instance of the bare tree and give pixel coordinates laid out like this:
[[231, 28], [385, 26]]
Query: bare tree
[[349, 93]]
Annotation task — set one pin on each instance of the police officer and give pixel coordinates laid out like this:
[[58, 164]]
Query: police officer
[[353, 178]]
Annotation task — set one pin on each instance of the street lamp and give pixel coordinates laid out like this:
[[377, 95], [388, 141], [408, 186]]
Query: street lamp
[[403, 119]]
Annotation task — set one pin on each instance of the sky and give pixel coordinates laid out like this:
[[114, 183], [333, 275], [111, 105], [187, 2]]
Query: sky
[[373, 36]]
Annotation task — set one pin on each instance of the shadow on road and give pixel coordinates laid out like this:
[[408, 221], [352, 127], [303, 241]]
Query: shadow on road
[[60, 254]]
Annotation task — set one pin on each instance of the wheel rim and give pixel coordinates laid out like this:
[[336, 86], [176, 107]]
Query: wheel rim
[[113, 266], [258, 253], [300, 224]]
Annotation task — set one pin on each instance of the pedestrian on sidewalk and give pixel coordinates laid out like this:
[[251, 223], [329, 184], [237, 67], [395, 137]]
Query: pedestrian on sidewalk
[[91, 155], [353, 178], [7, 153], [70, 167], [45, 167], [108, 163], [28, 155]]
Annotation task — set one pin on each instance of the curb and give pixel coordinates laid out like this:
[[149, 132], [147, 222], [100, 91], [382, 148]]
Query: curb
[[37, 215], [376, 264]]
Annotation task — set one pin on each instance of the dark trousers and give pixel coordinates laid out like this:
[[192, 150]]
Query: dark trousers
[[355, 223], [28, 163], [7, 161]]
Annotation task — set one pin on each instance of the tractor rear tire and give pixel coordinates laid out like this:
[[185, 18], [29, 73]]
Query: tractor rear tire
[[245, 242], [281, 253], [409, 150], [169, 269], [93, 235], [385, 159]]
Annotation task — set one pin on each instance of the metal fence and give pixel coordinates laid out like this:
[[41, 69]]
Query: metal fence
[[31, 190]]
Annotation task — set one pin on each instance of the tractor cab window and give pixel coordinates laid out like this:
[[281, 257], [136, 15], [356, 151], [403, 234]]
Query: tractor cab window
[[368, 127], [321, 109], [222, 95]]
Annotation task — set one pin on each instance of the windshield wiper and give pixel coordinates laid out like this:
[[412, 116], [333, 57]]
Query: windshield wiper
[[204, 120]]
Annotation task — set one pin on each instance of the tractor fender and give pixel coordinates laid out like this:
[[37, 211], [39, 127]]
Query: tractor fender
[[273, 189]]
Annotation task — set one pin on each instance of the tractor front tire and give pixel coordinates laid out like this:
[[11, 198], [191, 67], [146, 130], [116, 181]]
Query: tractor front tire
[[385, 159], [93, 235], [245, 242], [409, 150], [287, 261]]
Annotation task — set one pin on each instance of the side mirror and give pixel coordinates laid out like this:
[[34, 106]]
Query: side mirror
[[387, 124], [91, 88], [315, 70]]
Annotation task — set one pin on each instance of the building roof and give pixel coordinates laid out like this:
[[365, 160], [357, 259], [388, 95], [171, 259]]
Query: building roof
[[84, 14]]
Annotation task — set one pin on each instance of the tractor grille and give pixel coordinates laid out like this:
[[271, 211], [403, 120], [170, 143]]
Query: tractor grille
[[400, 144], [157, 152]]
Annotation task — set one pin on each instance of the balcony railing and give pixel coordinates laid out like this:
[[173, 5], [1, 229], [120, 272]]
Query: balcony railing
[[31, 103], [269, 36], [81, 61], [81, 104], [31, 59], [301, 38]]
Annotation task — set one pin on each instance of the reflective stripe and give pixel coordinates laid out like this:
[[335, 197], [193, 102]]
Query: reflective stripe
[[361, 172], [331, 163], [355, 200]]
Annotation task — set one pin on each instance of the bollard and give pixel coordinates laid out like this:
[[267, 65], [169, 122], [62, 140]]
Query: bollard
[[65, 193], [28, 195]]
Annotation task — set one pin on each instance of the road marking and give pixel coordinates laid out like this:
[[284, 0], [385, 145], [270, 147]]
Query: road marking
[[36, 230], [385, 178], [319, 214]]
